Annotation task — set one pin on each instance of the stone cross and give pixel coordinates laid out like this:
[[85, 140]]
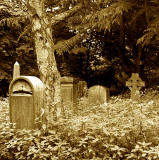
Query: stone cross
[[135, 84], [16, 70]]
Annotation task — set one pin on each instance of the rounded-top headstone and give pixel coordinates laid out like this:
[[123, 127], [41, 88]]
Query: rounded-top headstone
[[26, 98], [98, 95]]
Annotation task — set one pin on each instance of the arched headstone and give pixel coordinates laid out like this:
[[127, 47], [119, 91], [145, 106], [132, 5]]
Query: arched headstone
[[26, 99], [98, 94]]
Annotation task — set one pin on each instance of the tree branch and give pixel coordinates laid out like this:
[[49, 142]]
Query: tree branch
[[28, 27], [62, 16], [67, 45]]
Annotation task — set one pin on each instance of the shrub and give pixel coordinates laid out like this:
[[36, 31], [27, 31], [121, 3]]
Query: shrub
[[120, 130]]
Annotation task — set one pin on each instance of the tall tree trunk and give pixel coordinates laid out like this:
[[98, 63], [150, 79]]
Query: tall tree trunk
[[44, 42]]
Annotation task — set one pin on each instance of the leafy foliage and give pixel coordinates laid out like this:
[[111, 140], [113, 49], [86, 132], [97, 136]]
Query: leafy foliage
[[126, 37], [151, 35], [106, 17], [67, 45], [13, 46], [121, 129], [12, 13]]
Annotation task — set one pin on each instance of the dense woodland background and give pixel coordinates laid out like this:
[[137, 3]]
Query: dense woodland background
[[103, 42]]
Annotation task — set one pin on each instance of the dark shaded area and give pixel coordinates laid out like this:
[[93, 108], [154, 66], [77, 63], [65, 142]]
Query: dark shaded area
[[120, 56], [78, 65], [4, 87]]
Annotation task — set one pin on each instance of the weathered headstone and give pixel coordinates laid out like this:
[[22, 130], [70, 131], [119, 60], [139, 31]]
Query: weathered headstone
[[135, 84], [69, 90], [26, 98], [16, 70], [82, 89], [98, 94]]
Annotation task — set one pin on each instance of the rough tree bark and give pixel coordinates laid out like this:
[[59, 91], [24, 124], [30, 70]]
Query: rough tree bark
[[42, 32], [44, 47]]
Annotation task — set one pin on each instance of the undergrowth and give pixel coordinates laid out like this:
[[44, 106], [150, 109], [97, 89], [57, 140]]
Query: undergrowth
[[120, 130]]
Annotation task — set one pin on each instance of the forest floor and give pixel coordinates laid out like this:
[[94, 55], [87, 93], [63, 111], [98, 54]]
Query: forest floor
[[132, 127]]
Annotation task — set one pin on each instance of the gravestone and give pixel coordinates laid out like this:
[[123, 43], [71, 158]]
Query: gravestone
[[98, 95], [82, 89], [135, 84], [16, 70], [69, 91], [26, 98]]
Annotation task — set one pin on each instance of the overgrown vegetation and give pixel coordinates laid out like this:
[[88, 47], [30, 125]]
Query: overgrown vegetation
[[121, 35], [121, 129]]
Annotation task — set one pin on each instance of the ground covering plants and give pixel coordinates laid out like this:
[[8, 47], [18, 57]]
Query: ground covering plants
[[121, 129]]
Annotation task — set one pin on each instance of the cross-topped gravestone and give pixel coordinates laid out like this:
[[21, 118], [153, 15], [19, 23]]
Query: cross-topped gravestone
[[135, 83]]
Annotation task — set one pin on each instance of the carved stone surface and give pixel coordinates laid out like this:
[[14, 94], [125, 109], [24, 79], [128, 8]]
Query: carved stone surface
[[16, 70], [69, 90], [26, 98], [82, 89], [98, 95], [135, 84]]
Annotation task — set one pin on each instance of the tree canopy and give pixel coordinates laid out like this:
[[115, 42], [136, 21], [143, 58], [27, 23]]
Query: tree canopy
[[121, 34]]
